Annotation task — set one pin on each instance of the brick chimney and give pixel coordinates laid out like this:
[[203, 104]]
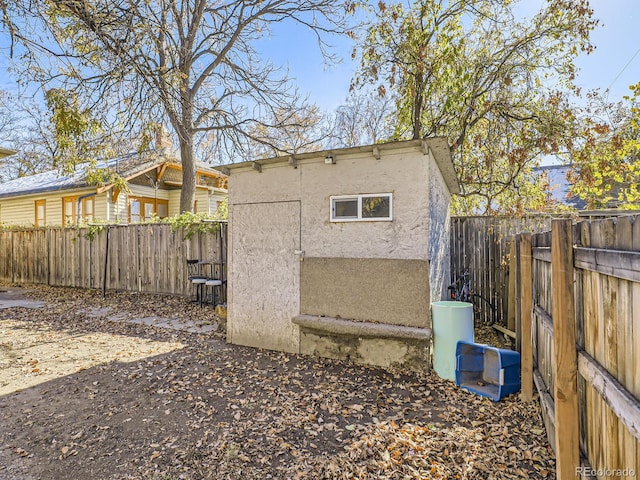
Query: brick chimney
[[164, 144]]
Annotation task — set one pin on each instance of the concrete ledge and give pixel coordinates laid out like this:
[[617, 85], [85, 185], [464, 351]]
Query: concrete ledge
[[340, 326]]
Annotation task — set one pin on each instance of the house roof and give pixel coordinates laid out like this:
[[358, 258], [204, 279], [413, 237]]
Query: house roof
[[127, 166], [559, 185], [437, 145]]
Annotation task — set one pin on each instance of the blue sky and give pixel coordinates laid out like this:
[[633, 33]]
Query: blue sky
[[617, 41], [617, 46]]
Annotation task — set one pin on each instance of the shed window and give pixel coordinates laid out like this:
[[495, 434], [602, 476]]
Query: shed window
[[359, 208]]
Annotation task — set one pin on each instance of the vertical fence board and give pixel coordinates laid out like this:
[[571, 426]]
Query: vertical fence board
[[223, 256], [624, 241], [145, 245], [55, 260], [5, 256], [178, 262], [53, 239], [113, 267], [606, 318], [71, 258], [565, 395], [481, 245], [146, 258], [525, 315], [518, 292], [511, 309], [634, 368], [100, 255], [161, 277]]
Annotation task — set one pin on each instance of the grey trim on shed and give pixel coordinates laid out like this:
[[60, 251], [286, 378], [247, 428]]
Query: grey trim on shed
[[437, 145]]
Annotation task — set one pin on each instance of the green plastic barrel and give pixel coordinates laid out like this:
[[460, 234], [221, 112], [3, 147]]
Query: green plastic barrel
[[450, 322]]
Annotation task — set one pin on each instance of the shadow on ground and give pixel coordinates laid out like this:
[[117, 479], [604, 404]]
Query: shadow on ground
[[210, 410]]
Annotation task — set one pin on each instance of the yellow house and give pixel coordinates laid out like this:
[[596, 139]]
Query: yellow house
[[154, 180]]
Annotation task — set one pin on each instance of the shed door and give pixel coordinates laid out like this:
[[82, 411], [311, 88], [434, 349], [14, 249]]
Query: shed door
[[264, 275]]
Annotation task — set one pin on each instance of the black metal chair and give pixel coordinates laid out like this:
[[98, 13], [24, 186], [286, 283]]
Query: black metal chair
[[215, 283], [198, 278]]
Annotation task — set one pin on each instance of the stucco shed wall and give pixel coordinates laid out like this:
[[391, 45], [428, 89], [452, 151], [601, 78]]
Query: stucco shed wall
[[387, 290], [439, 239], [276, 183], [391, 251], [403, 173], [264, 275]]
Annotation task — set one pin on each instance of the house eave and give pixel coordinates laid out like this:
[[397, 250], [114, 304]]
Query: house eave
[[45, 190], [151, 166], [179, 184], [128, 167]]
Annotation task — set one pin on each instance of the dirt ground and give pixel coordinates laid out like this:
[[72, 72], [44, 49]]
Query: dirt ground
[[90, 389]]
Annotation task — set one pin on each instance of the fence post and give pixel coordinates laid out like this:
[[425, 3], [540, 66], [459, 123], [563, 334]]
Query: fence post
[[565, 356], [13, 257], [518, 293], [106, 265], [526, 300], [511, 308]]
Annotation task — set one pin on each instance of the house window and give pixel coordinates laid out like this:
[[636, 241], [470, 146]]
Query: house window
[[87, 208], [135, 210], [144, 208], [70, 213], [362, 208], [69, 210], [41, 213], [163, 209]]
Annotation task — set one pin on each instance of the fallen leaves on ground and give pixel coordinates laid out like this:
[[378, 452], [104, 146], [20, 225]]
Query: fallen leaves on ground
[[429, 451], [215, 411]]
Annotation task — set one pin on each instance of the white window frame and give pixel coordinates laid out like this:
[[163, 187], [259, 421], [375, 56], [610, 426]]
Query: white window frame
[[359, 198]]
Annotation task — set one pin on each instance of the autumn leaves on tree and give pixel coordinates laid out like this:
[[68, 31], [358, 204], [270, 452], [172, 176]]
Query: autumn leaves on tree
[[491, 82], [495, 81]]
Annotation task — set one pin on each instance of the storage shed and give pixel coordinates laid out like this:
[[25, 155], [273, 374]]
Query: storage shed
[[339, 253]]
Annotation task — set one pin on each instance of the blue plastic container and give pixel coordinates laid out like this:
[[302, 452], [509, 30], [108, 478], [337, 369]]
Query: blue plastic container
[[488, 371]]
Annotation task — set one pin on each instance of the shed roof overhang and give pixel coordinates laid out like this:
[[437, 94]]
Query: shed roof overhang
[[438, 146]]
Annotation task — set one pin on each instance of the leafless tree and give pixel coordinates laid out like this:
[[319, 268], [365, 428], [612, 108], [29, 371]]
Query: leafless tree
[[363, 119], [193, 62], [24, 127]]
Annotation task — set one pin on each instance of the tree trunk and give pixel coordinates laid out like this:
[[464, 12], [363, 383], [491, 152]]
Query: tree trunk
[[417, 108], [188, 193]]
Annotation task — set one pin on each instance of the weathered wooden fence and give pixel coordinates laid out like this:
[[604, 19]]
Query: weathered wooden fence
[[580, 328], [145, 258], [482, 246]]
